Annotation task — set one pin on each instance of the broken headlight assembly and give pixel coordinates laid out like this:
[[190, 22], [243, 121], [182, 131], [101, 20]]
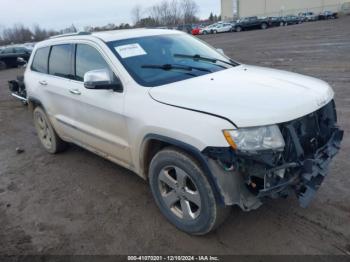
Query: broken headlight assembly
[[255, 138]]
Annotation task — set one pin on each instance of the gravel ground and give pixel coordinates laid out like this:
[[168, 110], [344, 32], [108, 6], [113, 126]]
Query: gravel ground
[[79, 203]]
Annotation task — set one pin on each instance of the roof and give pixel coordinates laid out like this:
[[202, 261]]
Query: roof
[[108, 36]]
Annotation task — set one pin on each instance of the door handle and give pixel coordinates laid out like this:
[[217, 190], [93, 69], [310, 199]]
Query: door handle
[[75, 91], [43, 83]]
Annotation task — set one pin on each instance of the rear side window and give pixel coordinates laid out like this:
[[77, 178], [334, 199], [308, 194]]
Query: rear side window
[[8, 50], [60, 62], [40, 60], [87, 59]]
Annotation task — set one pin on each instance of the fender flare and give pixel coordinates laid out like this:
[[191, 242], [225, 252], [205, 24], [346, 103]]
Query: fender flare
[[196, 154]]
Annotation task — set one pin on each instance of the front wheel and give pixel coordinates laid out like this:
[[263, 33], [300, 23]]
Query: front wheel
[[238, 29], [183, 194], [263, 26]]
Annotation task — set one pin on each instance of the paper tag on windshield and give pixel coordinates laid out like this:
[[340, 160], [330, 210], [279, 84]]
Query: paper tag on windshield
[[126, 51]]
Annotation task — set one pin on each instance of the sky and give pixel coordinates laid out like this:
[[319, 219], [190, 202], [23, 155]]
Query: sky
[[59, 14]]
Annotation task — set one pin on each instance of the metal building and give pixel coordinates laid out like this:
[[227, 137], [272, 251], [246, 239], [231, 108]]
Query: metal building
[[245, 8]]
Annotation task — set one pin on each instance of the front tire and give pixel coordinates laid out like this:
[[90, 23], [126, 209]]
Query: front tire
[[238, 29], [47, 135], [183, 193]]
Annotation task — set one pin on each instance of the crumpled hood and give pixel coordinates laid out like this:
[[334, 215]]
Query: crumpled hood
[[248, 95]]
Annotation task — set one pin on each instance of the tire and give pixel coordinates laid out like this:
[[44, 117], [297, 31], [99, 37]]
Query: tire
[[238, 29], [46, 133], [183, 193], [205, 32], [3, 65], [215, 32], [263, 26], [281, 24]]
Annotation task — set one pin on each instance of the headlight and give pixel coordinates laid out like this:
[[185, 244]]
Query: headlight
[[255, 139]]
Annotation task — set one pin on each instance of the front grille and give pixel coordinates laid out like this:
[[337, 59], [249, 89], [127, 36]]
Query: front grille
[[304, 136]]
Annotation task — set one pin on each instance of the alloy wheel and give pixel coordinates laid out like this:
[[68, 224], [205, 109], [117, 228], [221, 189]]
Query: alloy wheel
[[179, 193]]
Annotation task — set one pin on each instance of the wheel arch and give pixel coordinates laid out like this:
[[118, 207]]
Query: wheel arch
[[33, 103], [153, 143]]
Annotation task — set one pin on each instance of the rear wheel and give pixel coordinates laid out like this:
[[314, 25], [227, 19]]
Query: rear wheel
[[2, 65], [47, 135], [215, 32], [263, 26], [183, 194]]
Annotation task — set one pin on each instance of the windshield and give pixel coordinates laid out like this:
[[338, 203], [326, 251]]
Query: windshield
[[163, 59]]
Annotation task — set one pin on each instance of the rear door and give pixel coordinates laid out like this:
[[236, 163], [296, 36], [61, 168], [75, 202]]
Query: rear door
[[99, 114], [56, 88]]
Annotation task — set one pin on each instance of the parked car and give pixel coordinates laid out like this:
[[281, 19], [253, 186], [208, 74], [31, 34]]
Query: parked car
[[207, 30], [291, 20], [185, 28], [222, 28], [207, 132], [13, 56], [196, 30], [308, 16], [328, 15], [251, 23], [275, 21]]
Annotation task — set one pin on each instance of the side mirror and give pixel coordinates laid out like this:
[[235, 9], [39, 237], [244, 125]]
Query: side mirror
[[102, 79], [221, 51]]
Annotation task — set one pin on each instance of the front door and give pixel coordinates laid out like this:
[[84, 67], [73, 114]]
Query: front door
[[99, 118]]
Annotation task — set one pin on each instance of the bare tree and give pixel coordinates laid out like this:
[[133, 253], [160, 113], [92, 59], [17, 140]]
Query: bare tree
[[174, 12], [190, 10], [136, 14]]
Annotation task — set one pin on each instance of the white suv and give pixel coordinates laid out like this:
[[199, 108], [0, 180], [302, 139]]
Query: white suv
[[205, 131]]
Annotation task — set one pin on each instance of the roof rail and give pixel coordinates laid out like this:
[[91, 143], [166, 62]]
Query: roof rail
[[70, 34]]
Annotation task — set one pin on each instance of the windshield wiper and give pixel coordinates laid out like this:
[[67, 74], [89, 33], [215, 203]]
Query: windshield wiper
[[169, 67], [208, 59]]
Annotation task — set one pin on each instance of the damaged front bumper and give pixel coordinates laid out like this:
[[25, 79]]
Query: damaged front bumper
[[247, 179]]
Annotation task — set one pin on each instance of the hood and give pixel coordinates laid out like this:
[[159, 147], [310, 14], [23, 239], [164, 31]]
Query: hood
[[248, 95]]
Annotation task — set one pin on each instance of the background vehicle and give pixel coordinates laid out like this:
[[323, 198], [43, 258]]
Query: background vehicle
[[275, 21], [196, 30], [207, 30], [308, 16], [185, 28], [328, 15], [222, 28], [291, 20], [13, 56], [251, 23]]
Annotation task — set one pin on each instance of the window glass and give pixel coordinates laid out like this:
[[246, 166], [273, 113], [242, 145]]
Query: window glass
[[40, 60], [8, 50], [60, 61], [138, 55], [87, 59]]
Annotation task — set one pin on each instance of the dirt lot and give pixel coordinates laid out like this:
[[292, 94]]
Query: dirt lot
[[79, 203]]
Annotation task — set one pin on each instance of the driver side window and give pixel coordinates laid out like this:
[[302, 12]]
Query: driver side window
[[87, 59]]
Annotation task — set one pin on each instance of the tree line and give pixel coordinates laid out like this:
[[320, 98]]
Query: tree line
[[165, 13]]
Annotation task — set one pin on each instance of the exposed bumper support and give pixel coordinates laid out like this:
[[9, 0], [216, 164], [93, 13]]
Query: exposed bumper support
[[246, 179], [315, 170]]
